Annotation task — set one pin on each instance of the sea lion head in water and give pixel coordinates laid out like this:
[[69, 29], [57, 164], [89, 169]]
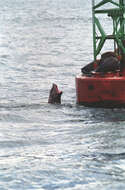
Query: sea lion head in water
[[55, 95]]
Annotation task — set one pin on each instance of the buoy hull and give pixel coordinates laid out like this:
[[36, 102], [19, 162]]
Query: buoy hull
[[101, 91]]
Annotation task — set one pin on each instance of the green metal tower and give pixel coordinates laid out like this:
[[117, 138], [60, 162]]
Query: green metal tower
[[117, 14]]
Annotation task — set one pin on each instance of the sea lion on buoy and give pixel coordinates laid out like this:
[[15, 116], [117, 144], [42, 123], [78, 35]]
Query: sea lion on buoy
[[87, 69], [108, 63], [55, 95], [108, 54]]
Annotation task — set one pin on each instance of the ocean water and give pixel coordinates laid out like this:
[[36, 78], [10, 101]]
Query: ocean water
[[44, 146]]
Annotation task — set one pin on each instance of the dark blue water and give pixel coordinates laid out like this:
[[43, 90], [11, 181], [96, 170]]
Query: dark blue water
[[48, 147]]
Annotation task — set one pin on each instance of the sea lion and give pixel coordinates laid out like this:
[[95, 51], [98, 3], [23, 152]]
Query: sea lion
[[108, 64], [55, 95], [87, 68]]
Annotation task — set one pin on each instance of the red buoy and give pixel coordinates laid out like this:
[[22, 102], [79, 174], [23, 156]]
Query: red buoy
[[102, 82], [104, 91]]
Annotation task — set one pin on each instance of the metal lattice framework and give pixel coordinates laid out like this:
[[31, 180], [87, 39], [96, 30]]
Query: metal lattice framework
[[117, 14]]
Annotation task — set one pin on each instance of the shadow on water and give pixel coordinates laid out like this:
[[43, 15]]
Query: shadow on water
[[73, 112], [103, 114], [95, 115]]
